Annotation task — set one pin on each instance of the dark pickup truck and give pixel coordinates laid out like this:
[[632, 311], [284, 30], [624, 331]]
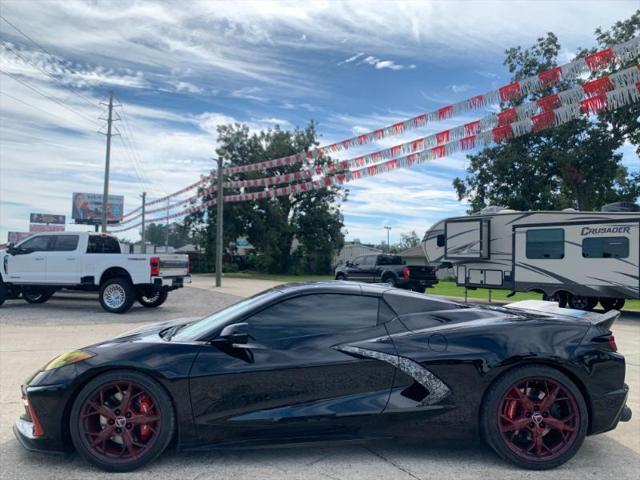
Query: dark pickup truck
[[387, 269]]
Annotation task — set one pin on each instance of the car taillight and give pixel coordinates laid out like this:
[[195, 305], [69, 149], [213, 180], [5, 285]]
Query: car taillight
[[608, 340], [37, 427], [155, 266], [406, 272], [612, 343]]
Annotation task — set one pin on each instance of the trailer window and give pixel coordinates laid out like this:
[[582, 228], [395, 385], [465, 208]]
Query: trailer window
[[440, 240], [545, 243], [605, 247]]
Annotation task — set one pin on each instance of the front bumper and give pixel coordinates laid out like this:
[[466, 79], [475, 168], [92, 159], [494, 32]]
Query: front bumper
[[23, 430]]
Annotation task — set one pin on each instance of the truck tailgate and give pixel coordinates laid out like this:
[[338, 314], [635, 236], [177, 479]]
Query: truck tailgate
[[422, 273], [174, 265]]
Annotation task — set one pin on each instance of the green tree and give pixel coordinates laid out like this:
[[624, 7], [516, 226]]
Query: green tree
[[156, 234], [408, 240], [272, 225], [573, 165]]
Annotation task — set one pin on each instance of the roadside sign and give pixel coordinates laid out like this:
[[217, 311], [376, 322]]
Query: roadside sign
[[15, 237], [47, 218], [36, 227], [87, 208]]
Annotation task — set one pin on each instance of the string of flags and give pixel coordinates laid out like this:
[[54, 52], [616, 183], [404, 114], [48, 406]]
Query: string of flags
[[594, 62], [598, 102]]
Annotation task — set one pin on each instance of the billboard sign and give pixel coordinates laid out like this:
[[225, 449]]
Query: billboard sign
[[37, 227], [47, 218], [87, 208], [15, 237]]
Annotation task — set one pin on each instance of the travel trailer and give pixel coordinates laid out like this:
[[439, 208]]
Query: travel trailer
[[574, 258]]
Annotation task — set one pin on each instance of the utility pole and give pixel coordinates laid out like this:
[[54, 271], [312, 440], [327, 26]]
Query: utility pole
[[166, 239], [105, 191], [388, 229], [142, 234], [219, 218]]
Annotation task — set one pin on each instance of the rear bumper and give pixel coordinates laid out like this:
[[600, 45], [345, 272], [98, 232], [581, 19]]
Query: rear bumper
[[171, 282], [610, 409]]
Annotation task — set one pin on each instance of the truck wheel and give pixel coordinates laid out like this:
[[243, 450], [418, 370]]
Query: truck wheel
[[341, 276], [117, 295], [152, 298], [390, 279], [582, 303], [37, 295], [612, 303], [559, 297], [3, 292]]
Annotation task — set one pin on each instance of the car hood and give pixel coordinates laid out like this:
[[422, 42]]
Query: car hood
[[154, 328]]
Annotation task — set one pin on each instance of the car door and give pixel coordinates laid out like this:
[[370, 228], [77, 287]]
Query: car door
[[369, 270], [292, 380], [29, 264], [354, 269], [63, 262]]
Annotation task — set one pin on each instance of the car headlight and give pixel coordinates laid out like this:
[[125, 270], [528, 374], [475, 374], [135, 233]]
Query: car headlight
[[67, 359]]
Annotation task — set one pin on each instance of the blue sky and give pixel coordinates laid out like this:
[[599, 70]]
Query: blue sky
[[182, 69]]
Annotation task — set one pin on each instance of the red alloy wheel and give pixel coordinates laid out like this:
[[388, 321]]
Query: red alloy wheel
[[119, 421], [538, 418]]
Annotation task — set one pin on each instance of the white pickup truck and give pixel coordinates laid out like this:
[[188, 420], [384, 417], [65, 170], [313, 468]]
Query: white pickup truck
[[43, 263]]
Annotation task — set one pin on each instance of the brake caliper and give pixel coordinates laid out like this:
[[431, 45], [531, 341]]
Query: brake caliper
[[144, 407]]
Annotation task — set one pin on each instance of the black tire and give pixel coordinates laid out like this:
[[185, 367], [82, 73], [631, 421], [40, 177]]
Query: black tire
[[341, 276], [152, 299], [117, 295], [37, 295], [612, 303], [163, 433], [491, 417], [561, 298], [582, 303], [418, 289], [390, 279], [4, 293]]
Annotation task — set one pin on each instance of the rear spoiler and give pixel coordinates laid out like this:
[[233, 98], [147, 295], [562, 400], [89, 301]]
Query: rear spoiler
[[551, 308]]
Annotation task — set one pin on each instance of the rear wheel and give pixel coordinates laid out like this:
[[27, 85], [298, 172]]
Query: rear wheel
[[535, 417], [117, 295], [4, 292], [582, 303], [152, 298], [121, 420], [37, 295], [612, 303], [390, 279]]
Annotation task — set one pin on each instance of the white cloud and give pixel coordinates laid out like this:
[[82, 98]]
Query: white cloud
[[460, 88]]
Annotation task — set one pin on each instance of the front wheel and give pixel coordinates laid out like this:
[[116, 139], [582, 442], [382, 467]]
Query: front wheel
[[37, 295], [559, 297], [117, 295], [121, 420], [535, 417], [153, 298], [341, 276]]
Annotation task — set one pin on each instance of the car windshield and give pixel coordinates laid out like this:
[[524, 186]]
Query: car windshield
[[198, 329]]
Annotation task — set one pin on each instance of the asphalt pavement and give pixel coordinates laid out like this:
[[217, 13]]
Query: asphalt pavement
[[30, 335]]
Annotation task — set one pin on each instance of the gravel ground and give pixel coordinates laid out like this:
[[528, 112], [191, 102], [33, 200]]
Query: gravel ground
[[30, 335]]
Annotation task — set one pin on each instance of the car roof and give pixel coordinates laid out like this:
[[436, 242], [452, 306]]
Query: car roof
[[333, 286]]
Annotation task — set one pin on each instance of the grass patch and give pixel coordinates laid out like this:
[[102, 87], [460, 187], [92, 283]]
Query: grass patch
[[444, 288]]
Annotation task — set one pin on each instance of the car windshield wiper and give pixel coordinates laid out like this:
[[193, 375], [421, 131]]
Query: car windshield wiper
[[171, 331]]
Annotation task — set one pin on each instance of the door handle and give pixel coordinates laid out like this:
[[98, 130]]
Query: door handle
[[39, 259], [71, 259]]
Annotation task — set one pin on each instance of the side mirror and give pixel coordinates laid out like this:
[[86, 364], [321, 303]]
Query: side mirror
[[348, 263], [236, 333]]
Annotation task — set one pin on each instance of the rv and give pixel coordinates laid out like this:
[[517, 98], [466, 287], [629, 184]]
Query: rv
[[574, 258]]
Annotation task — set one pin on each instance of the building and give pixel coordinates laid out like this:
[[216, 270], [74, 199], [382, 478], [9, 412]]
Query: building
[[353, 250]]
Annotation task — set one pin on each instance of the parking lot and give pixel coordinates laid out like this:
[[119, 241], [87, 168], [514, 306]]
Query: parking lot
[[30, 335]]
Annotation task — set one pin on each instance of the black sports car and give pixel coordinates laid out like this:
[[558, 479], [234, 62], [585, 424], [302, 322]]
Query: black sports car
[[335, 361]]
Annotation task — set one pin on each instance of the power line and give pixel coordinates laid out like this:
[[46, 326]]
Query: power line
[[72, 89], [33, 106], [39, 92]]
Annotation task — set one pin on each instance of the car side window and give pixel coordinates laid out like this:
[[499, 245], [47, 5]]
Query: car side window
[[316, 314], [369, 260], [101, 244], [65, 243], [37, 244], [357, 261]]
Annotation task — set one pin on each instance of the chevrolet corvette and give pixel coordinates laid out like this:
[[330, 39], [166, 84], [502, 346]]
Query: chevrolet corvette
[[335, 361]]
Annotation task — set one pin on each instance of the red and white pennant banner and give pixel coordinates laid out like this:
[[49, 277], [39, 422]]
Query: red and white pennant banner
[[594, 62], [597, 103]]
